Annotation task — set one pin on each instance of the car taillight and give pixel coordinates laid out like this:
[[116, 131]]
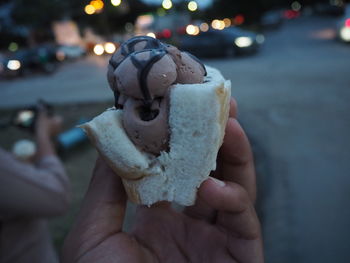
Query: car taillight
[[166, 33], [347, 22]]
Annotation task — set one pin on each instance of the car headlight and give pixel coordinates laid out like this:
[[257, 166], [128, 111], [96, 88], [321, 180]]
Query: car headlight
[[109, 48], [99, 49], [345, 34], [13, 64], [243, 41]]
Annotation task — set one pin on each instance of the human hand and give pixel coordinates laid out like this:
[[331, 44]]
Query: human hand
[[221, 227], [47, 125]]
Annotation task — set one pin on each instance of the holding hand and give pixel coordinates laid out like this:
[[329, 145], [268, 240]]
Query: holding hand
[[221, 227]]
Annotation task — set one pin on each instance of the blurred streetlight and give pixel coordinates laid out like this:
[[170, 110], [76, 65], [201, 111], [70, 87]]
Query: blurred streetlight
[[192, 6], [167, 4], [89, 9], [97, 4], [116, 2]]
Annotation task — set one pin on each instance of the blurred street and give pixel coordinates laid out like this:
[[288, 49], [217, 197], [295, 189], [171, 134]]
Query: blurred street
[[293, 100]]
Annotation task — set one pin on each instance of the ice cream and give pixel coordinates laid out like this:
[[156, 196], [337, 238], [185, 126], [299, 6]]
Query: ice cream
[[140, 73]]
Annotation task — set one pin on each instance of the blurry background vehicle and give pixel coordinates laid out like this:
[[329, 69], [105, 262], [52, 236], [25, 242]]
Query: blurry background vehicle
[[64, 52], [24, 61], [330, 7], [227, 42], [272, 19], [105, 48], [343, 26]]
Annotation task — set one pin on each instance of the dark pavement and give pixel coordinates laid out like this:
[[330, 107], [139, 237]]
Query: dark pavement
[[293, 101]]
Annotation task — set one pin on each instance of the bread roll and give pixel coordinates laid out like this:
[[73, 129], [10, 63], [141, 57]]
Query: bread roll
[[197, 118]]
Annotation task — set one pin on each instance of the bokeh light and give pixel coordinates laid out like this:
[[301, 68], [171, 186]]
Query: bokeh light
[[227, 22], [347, 22], [192, 30], [89, 9], [345, 34], [204, 27], [13, 64], [97, 4], [218, 24], [98, 49], [296, 6], [167, 4], [239, 19], [116, 2], [109, 47], [192, 6], [151, 34], [13, 46]]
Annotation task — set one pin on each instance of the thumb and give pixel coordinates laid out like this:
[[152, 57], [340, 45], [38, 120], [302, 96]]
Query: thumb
[[102, 212]]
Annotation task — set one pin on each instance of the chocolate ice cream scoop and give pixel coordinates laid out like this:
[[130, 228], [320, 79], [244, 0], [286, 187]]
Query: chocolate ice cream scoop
[[133, 44], [139, 78], [147, 127], [141, 73], [189, 69]]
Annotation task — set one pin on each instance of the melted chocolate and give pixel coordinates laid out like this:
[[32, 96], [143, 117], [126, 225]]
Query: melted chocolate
[[157, 50], [143, 68], [129, 47]]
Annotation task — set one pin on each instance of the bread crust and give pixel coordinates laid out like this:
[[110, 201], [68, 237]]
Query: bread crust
[[142, 176]]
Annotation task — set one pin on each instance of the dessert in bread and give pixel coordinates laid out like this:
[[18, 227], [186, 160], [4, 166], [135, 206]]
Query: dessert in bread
[[162, 142]]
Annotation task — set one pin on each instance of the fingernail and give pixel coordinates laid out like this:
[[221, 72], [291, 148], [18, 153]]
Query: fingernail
[[218, 182]]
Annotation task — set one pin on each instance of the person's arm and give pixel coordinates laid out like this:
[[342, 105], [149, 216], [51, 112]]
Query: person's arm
[[35, 191]]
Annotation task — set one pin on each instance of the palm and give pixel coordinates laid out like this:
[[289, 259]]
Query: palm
[[178, 238], [221, 227], [181, 238]]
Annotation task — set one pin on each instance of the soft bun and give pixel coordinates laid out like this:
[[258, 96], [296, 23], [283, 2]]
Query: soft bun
[[197, 118]]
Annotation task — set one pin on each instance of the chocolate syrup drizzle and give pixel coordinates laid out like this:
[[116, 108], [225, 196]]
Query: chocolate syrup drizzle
[[157, 50]]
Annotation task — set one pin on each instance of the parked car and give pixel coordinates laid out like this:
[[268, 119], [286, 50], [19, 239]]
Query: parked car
[[41, 58], [65, 52], [272, 19], [227, 42], [330, 7]]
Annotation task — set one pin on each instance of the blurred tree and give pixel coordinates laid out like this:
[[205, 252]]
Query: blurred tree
[[41, 13], [37, 13], [228, 8]]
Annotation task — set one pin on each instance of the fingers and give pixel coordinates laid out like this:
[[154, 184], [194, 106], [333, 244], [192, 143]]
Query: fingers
[[236, 212], [102, 211], [233, 108], [201, 210], [237, 164]]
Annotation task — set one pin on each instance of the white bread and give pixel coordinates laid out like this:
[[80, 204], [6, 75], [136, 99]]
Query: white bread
[[197, 118]]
